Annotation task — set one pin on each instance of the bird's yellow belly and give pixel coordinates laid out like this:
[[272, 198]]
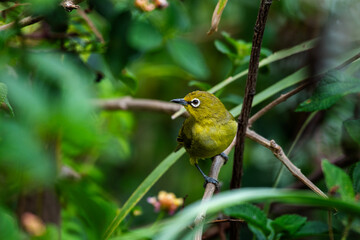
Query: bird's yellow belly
[[211, 141]]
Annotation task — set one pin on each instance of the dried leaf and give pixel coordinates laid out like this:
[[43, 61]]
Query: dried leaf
[[217, 16]]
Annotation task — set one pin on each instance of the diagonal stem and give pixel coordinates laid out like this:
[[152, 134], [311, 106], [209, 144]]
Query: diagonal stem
[[250, 90], [279, 153]]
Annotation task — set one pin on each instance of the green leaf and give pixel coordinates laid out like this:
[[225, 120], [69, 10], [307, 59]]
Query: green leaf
[[257, 232], [251, 214], [238, 52], [201, 85], [331, 88], [4, 99], [176, 225], [119, 52], [44, 6], [3, 92], [95, 208], [288, 223], [144, 36], [8, 227], [142, 189], [335, 176], [17, 144], [189, 57], [311, 228], [353, 129], [233, 42], [223, 48], [222, 4], [356, 177], [129, 80]]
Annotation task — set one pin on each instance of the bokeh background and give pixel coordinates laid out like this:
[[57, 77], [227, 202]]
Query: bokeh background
[[57, 147]]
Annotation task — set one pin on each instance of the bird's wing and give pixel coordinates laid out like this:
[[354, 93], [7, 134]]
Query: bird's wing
[[184, 139]]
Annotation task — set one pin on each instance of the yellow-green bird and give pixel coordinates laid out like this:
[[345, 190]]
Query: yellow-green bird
[[208, 131]]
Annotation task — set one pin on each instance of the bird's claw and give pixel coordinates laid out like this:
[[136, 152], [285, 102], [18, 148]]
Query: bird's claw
[[211, 180], [225, 157]]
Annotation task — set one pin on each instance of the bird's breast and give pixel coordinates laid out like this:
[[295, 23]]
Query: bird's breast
[[211, 139]]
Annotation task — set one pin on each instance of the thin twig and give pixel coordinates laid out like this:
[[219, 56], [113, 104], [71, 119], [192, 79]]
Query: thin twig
[[129, 103], [347, 62], [21, 23], [279, 153], [331, 232], [227, 220], [97, 33], [347, 227], [250, 90], [282, 98], [303, 85]]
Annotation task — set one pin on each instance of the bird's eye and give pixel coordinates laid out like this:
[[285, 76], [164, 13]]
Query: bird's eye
[[195, 102]]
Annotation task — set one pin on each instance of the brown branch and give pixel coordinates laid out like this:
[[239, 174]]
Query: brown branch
[[227, 220], [304, 84], [129, 103], [21, 23], [279, 154], [280, 99], [83, 14], [347, 62], [250, 90]]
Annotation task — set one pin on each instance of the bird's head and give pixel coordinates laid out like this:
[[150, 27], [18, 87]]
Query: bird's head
[[202, 105]]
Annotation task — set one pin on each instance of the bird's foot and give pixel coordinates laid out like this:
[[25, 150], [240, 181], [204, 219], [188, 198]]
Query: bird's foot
[[211, 180], [225, 157]]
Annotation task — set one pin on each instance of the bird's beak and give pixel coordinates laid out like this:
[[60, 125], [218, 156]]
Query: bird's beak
[[180, 101]]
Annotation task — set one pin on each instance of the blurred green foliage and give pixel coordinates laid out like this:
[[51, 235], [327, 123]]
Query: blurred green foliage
[[53, 138]]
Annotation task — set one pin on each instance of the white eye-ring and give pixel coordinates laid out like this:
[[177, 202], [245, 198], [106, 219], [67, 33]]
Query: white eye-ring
[[195, 102]]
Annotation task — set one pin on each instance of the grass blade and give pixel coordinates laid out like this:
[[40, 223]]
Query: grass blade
[[176, 225], [142, 189], [272, 58]]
